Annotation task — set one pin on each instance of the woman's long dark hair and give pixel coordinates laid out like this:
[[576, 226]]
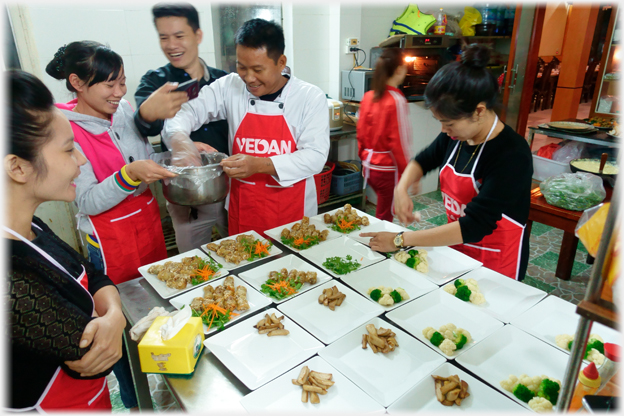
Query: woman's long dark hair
[[31, 107], [91, 61], [457, 88], [389, 60]]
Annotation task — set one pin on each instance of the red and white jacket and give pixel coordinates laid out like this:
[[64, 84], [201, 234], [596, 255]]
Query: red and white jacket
[[384, 131]]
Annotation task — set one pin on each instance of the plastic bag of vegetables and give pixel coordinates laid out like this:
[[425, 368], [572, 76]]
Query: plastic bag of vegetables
[[574, 191]]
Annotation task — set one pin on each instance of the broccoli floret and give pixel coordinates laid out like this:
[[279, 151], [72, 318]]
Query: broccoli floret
[[413, 253], [459, 282], [595, 344], [396, 296], [411, 262], [549, 390], [463, 293], [461, 342], [523, 393], [375, 295], [436, 339]]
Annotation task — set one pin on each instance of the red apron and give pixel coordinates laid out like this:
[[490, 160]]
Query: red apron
[[499, 251], [384, 180], [130, 234], [258, 202], [64, 392]]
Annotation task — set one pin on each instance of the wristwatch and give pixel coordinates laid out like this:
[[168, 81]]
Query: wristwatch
[[398, 240]]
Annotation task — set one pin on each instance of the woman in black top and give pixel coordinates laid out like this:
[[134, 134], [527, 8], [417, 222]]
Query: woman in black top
[[64, 315], [485, 172]]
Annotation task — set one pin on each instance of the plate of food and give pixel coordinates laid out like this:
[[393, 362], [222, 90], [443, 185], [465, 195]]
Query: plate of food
[[379, 227], [178, 274], [284, 278], [263, 347], [497, 295], [342, 256], [446, 325], [379, 282], [477, 396], [555, 320], [510, 357], [438, 264], [221, 302], [600, 123], [240, 249], [286, 394], [329, 313], [570, 125], [381, 359], [345, 220], [301, 235]]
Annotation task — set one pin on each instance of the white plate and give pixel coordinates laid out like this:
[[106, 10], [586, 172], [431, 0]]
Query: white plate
[[385, 377], [280, 396], [371, 220], [342, 247], [322, 322], [161, 287], [445, 264], [381, 226], [436, 309], [505, 298], [256, 300], [257, 276], [512, 351], [554, 316], [276, 233], [389, 273], [257, 358], [231, 266], [422, 398]]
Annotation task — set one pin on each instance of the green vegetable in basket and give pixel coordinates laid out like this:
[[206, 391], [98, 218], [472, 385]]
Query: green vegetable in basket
[[574, 191]]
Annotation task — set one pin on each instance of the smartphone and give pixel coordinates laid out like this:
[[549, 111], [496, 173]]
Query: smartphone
[[594, 404], [191, 87]]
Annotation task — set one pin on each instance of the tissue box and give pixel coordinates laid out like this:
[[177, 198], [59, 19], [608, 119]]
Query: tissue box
[[177, 355]]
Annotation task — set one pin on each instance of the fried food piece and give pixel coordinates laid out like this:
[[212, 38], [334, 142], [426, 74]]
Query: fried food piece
[[305, 220], [324, 235], [212, 247], [327, 219], [285, 233], [450, 390], [365, 221], [164, 275], [155, 269], [229, 281]]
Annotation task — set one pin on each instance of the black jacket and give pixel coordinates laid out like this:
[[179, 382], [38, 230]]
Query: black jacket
[[47, 313], [215, 134]]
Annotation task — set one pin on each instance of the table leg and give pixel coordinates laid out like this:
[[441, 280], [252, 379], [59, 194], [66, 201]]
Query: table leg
[[530, 139], [529, 225], [141, 384], [566, 256]]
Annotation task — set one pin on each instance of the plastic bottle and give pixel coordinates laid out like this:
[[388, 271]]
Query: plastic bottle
[[500, 20], [510, 14], [486, 14], [610, 366], [440, 25], [589, 381]]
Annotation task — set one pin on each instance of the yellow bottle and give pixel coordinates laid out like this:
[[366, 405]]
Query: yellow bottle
[[589, 381]]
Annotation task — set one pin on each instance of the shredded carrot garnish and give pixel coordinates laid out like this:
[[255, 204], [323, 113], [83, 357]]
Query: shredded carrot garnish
[[283, 284], [298, 242], [261, 248], [205, 274], [214, 308], [344, 224]]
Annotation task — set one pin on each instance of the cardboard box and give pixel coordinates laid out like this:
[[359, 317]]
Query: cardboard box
[[177, 355]]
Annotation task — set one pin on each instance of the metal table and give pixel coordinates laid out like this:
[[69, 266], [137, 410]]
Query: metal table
[[599, 137]]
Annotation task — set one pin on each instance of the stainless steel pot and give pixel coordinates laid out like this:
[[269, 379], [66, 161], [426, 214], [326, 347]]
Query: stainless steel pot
[[193, 186]]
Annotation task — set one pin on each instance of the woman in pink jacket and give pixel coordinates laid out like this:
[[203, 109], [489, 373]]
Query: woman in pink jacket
[[383, 131]]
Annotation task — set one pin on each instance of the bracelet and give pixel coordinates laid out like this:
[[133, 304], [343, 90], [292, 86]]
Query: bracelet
[[126, 178]]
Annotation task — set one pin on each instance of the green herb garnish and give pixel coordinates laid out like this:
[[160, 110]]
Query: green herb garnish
[[301, 243], [339, 265]]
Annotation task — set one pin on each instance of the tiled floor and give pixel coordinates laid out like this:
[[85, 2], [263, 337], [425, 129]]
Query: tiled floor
[[544, 253]]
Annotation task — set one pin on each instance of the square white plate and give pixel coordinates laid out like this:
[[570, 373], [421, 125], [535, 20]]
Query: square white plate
[[363, 228], [436, 309], [389, 273], [257, 276], [445, 263], [322, 322], [231, 266], [422, 398], [276, 233], [505, 298], [161, 287], [280, 396], [554, 316], [385, 377], [256, 300], [381, 226], [512, 351], [257, 358], [342, 247]]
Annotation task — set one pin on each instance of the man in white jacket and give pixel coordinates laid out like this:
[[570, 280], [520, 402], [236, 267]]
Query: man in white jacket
[[278, 131]]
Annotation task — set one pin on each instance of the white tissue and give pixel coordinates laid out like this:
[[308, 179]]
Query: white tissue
[[140, 328], [174, 324]]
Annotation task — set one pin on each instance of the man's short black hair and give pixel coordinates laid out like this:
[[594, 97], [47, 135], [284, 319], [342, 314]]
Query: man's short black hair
[[259, 33], [177, 10]]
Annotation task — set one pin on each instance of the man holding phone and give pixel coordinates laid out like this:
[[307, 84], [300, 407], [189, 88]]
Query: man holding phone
[[160, 96]]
